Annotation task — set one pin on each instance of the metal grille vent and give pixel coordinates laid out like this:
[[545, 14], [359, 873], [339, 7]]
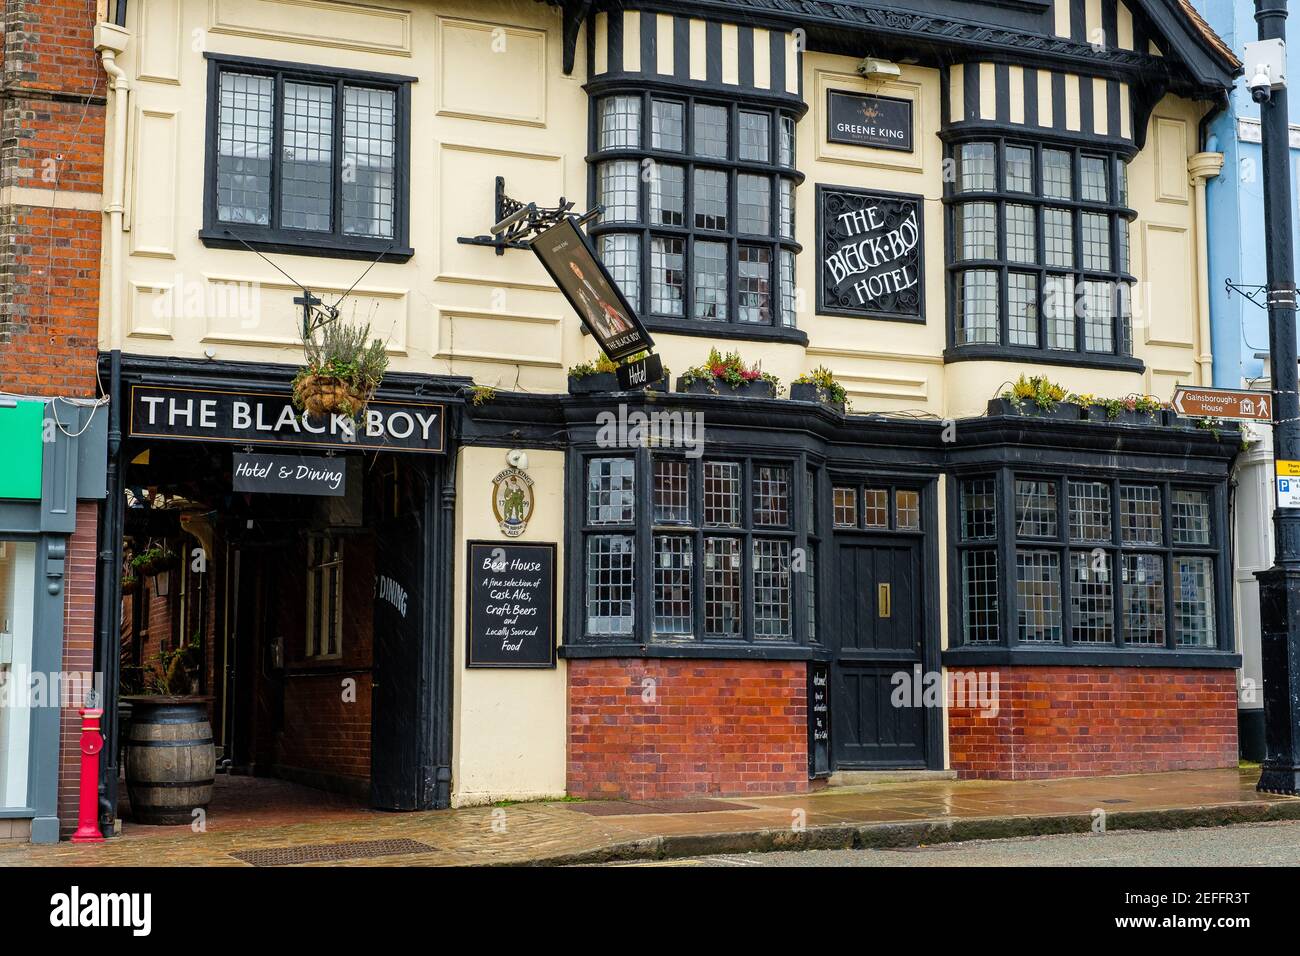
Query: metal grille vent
[[330, 852]]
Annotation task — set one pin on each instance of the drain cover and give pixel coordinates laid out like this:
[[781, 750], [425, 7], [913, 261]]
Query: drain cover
[[1117, 800], [329, 852]]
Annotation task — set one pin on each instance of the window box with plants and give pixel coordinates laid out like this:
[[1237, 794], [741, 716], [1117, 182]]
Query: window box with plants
[[601, 375], [587, 378], [819, 385], [728, 375], [344, 367], [1035, 397], [1132, 410]]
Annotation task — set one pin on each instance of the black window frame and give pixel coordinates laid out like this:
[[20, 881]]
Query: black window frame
[[1115, 208], [1006, 541], [801, 531], [217, 233], [688, 160]]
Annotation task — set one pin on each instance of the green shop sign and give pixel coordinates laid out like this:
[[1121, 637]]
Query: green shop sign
[[21, 424]]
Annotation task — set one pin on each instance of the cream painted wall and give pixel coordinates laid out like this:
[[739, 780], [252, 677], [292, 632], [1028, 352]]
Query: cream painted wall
[[491, 98], [886, 366], [509, 726]]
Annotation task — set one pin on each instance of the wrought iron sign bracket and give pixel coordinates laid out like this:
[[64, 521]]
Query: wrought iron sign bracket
[[1247, 292], [516, 223]]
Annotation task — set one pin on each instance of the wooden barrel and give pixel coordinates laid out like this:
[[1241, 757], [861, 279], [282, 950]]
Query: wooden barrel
[[170, 759]]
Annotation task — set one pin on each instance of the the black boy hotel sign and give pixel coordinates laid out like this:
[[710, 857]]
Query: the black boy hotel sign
[[869, 256], [269, 418]]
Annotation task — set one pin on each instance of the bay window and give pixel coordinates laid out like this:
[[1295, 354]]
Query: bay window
[[698, 219], [1039, 265], [1071, 560], [727, 544]]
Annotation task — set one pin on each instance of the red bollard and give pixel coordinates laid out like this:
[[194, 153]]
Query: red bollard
[[92, 742]]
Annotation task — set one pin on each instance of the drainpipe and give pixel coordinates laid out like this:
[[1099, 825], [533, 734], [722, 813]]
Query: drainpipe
[[1203, 166], [110, 42]]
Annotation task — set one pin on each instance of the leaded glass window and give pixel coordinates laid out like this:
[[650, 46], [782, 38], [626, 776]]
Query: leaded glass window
[[1047, 231], [705, 175], [331, 181], [723, 573], [1131, 563]]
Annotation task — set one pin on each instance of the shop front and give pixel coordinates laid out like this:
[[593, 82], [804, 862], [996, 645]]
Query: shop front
[[50, 490], [287, 572], [807, 593]]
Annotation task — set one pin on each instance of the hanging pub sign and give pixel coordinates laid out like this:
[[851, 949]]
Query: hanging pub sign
[[858, 119], [869, 254], [567, 255], [512, 501], [511, 605], [269, 418], [290, 475]]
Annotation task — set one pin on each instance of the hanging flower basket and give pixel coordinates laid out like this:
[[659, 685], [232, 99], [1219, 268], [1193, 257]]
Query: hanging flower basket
[[130, 585], [327, 395], [344, 368]]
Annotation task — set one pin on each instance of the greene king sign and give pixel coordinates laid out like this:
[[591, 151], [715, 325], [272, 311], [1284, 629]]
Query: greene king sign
[[870, 254]]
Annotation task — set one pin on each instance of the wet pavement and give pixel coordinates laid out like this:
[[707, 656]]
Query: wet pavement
[[1263, 844], [300, 824]]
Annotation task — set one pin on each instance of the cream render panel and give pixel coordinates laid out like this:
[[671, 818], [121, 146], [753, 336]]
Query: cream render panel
[[462, 309], [464, 131]]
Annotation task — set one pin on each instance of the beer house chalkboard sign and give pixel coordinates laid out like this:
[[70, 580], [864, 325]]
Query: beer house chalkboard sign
[[870, 255], [511, 605]]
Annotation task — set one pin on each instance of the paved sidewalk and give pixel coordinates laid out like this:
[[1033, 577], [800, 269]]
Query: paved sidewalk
[[887, 814]]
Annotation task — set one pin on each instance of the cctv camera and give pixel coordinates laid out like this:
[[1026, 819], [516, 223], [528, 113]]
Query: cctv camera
[[1261, 86]]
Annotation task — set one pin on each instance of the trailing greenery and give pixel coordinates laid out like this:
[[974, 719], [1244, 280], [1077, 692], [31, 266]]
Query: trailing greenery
[[825, 381], [481, 394], [154, 559], [729, 368]]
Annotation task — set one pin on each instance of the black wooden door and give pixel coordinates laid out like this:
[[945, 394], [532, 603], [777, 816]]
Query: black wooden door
[[878, 635], [396, 727]]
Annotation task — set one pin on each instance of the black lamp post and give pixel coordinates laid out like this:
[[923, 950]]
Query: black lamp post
[[1279, 586]]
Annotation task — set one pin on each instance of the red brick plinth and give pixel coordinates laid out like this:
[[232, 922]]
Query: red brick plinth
[[1083, 721], [672, 728]]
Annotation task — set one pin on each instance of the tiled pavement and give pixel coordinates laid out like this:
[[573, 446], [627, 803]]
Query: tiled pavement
[[259, 814]]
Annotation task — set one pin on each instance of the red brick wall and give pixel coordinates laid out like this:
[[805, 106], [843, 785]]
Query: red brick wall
[[320, 732], [715, 727], [1079, 721], [78, 652], [52, 108]]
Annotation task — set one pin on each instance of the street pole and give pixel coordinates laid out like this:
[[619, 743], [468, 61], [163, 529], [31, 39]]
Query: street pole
[[1279, 586]]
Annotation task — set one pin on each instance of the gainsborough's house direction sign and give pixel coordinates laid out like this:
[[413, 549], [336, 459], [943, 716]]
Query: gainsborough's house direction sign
[[869, 254], [257, 418]]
